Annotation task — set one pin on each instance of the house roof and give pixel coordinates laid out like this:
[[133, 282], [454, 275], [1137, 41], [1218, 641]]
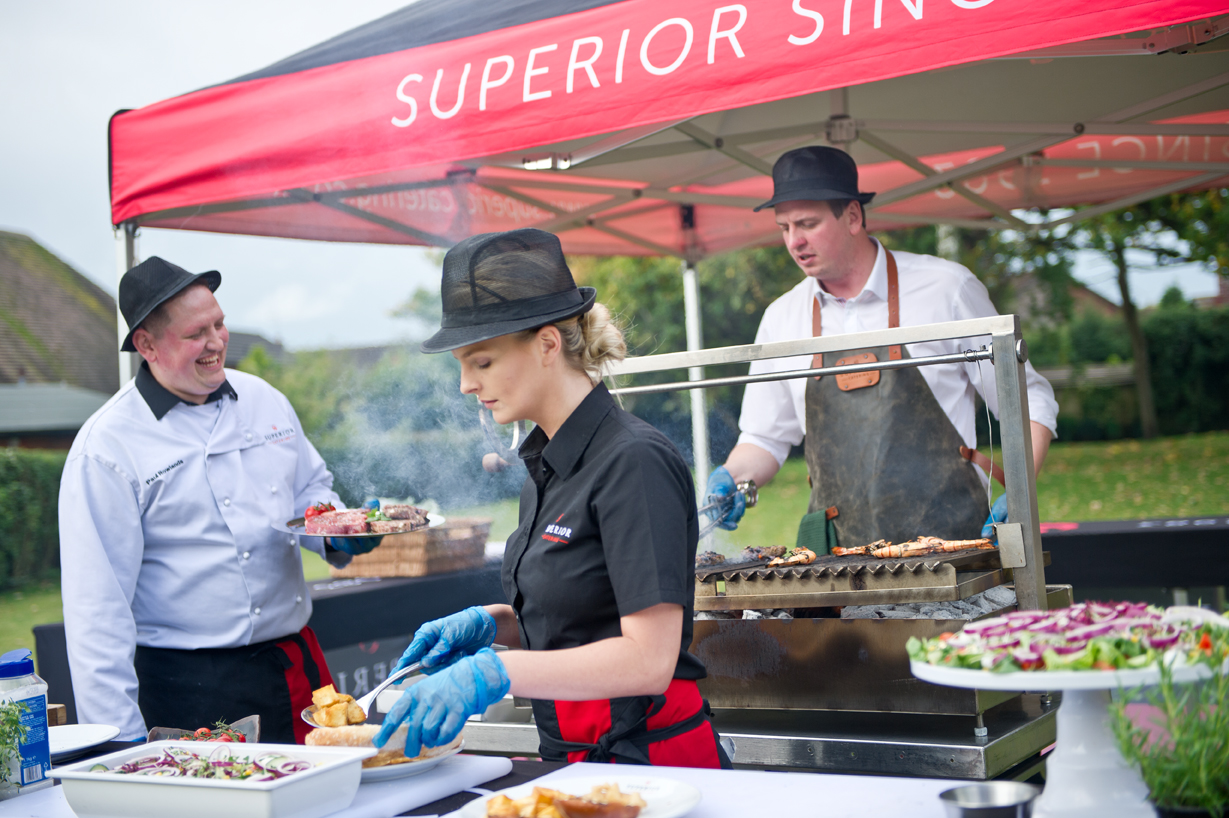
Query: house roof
[[46, 407], [55, 324]]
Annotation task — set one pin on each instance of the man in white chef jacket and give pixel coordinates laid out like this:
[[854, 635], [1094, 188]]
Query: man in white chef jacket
[[182, 604], [884, 453]]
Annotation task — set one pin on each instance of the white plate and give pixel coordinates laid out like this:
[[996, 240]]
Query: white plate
[[68, 740], [390, 771], [666, 797], [1044, 680]]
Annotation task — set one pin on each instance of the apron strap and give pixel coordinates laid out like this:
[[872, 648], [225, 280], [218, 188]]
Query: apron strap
[[817, 360], [993, 469], [893, 303], [628, 745]]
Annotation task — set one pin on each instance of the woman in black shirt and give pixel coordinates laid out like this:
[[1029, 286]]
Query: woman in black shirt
[[599, 573]]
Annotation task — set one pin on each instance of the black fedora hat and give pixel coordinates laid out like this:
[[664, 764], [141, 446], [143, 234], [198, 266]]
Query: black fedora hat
[[815, 173], [499, 283], [149, 284]]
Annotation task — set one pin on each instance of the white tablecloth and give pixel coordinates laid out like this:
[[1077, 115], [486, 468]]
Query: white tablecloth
[[744, 793]]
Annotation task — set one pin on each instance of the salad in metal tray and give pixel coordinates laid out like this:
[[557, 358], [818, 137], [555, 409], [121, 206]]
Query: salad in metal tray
[[1086, 636]]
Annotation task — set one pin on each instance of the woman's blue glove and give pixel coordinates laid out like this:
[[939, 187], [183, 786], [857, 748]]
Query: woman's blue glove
[[998, 514], [442, 642], [436, 708], [721, 487]]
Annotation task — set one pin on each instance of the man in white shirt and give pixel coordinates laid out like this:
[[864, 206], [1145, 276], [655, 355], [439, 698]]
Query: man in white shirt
[[886, 455], [183, 606]]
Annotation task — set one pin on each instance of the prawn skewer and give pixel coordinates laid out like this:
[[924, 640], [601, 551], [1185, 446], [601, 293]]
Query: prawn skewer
[[882, 549]]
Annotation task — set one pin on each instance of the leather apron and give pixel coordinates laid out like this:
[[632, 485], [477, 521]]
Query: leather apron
[[883, 452]]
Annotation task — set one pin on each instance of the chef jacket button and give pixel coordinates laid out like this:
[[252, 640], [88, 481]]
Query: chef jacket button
[[290, 539], [256, 611], [248, 436], [247, 555], [298, 598], [273, 489], [226, 501]]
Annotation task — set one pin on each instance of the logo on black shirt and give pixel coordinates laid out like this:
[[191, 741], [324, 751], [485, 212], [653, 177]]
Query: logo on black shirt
[[557, 533]]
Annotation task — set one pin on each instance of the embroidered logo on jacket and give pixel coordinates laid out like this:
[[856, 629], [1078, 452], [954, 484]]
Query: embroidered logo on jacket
[[279, 435], [557, 533]]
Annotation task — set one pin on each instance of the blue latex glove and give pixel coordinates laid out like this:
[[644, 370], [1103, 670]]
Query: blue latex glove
[[436, 708], [998, 514], [353, 545], [721, 486], [443, 642]]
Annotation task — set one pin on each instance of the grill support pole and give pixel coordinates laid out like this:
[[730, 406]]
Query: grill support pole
[[125, 260], [1018, 465], [695, 342]]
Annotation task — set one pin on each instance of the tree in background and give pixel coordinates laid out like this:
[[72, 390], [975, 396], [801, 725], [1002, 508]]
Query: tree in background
[[646, 293], [399, 428], [1177, 229]]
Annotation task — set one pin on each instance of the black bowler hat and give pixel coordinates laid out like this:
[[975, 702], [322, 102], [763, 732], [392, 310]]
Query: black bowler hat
[[149, 284], [499, 283], [816, 174]]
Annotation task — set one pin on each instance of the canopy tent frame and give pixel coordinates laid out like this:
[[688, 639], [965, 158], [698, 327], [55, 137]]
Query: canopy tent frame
[[531, 176]]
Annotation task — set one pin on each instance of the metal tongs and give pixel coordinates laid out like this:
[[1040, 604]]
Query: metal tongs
[[747, 489], [368, 701]]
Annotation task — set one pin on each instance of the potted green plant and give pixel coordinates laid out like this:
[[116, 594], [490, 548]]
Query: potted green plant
[[1184, 755], [12, 733]]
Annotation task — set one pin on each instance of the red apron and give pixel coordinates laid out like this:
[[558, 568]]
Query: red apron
[[305, 670], [672, 730]]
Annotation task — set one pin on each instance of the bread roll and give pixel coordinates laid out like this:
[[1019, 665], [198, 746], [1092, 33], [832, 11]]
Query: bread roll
[[361, 735]]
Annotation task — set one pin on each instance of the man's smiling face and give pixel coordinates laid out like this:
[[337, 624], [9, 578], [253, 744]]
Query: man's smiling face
[[186, 344]]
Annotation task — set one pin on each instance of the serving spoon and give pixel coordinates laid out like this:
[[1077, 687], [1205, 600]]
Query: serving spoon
[[368, 701]]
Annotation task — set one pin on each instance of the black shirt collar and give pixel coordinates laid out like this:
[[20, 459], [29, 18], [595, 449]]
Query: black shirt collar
[[161, 400], [563, 451]]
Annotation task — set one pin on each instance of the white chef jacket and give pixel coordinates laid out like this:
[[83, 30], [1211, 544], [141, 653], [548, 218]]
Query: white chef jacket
[[166, 537], [932, 290]]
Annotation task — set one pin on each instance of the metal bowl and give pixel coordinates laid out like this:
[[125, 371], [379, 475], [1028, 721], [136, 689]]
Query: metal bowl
[[991, 799]]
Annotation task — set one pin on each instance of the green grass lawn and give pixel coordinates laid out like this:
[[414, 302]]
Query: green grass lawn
[[21, 609], [1116, 480]]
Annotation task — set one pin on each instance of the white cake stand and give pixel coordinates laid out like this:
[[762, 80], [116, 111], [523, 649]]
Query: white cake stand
[[1086, 776]]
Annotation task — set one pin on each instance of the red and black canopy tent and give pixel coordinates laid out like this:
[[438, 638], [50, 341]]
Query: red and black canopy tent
[[600, 119]]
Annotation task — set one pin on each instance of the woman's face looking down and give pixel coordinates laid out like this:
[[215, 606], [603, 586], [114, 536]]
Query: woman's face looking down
[[511, 375]]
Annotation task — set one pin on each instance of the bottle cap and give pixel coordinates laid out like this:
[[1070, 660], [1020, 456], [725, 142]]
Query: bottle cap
[[16, 663]]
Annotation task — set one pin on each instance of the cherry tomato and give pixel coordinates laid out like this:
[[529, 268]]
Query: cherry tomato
[[202, 733], [1205, 643], [223, 737], [317, 509], [240, 737]]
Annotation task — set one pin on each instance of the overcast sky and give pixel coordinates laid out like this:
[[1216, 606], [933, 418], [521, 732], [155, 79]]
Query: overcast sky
[[67, 65]]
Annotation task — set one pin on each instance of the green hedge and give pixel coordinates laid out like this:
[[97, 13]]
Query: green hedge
[[29, 526], [1188, 349], [1189, 353]]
